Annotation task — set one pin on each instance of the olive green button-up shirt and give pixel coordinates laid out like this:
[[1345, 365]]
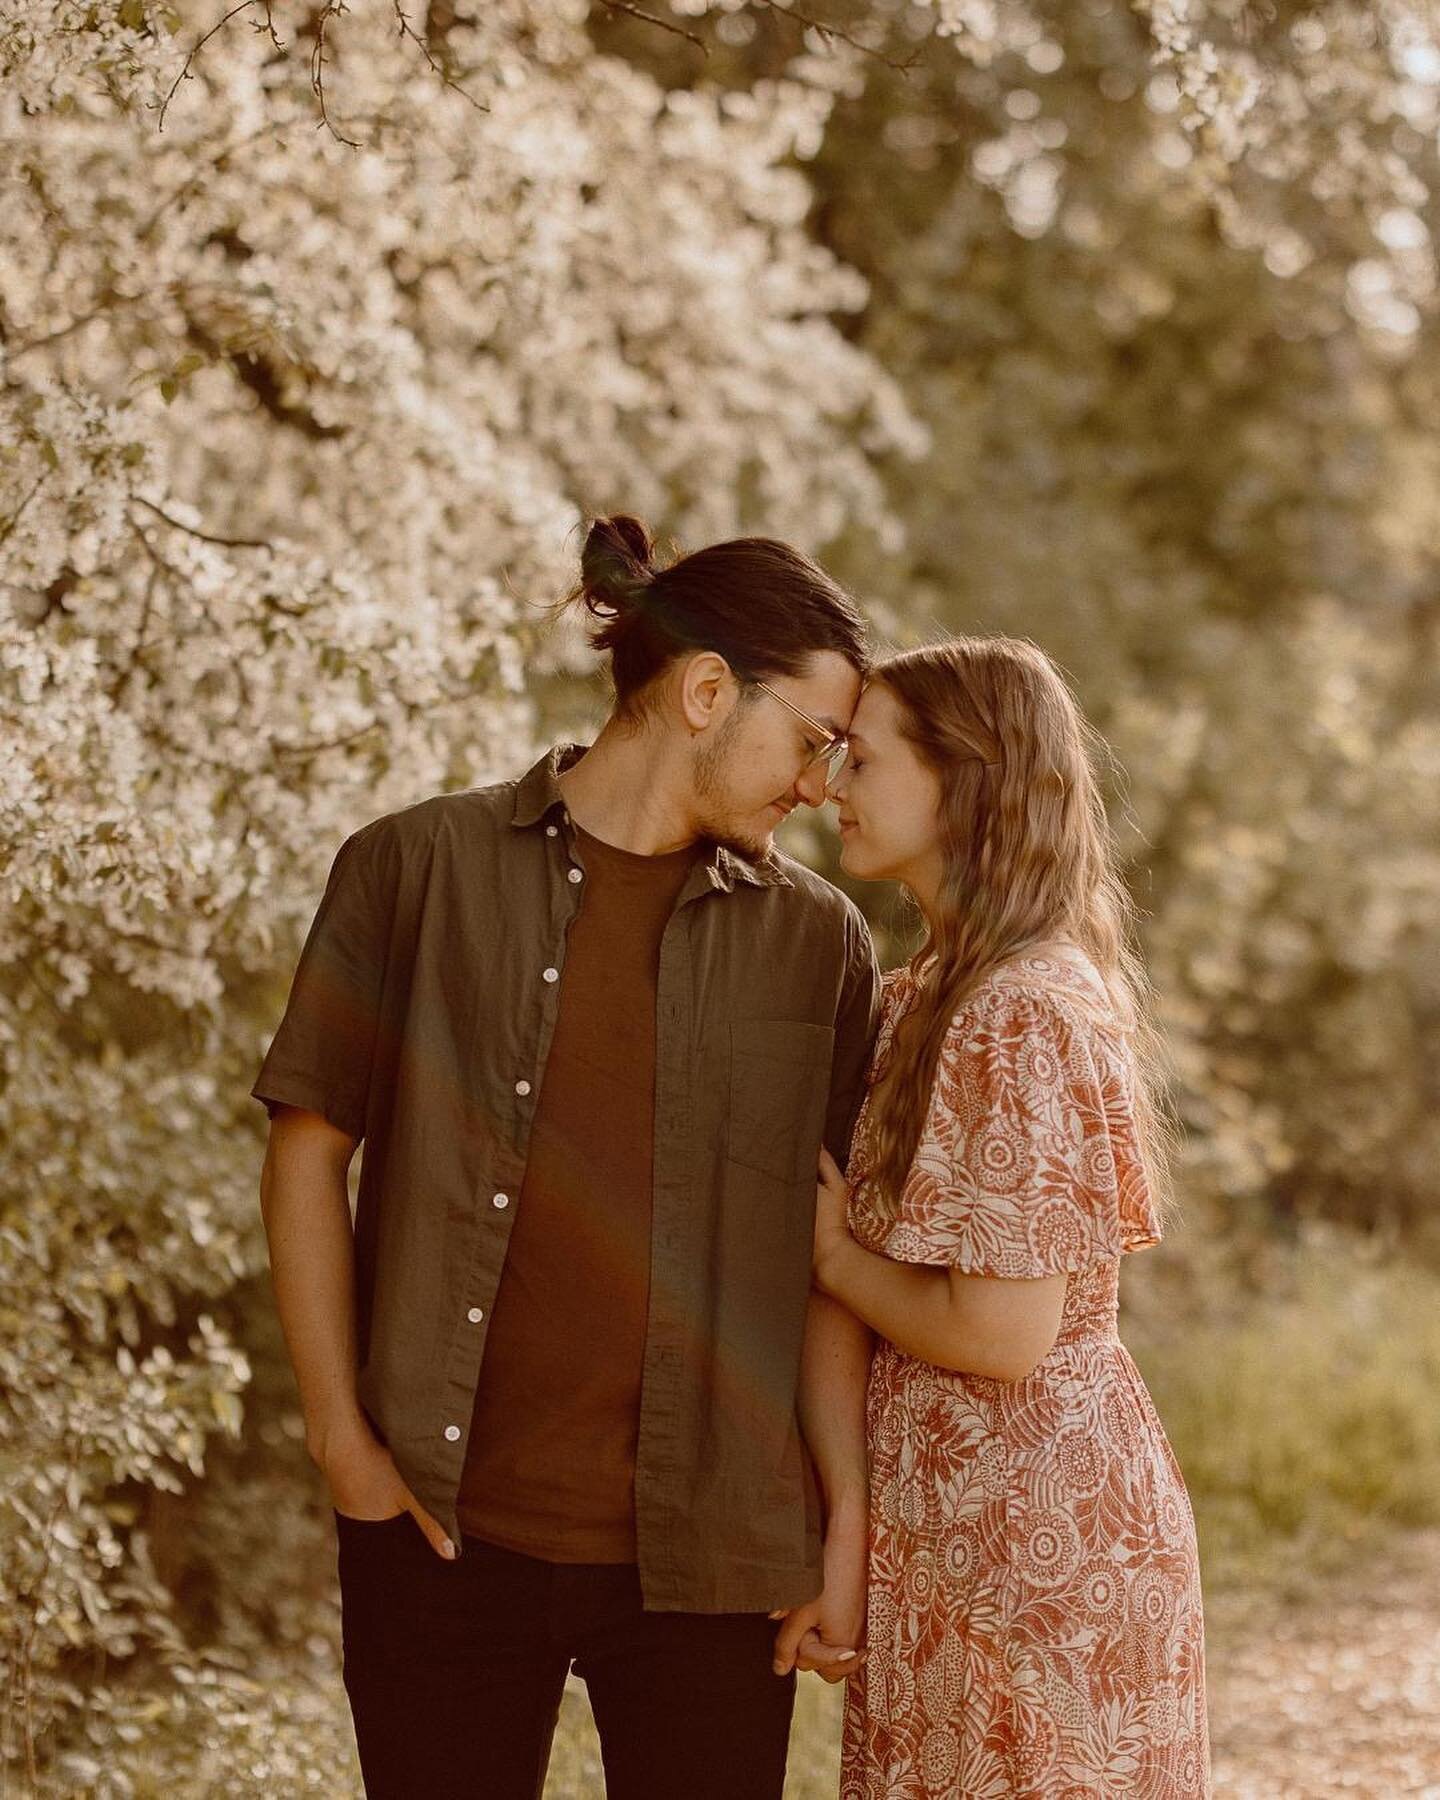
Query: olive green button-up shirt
[[419, 1019]]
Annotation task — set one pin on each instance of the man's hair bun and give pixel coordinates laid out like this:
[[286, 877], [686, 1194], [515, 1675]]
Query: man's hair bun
[[617, 564], [761, 605]]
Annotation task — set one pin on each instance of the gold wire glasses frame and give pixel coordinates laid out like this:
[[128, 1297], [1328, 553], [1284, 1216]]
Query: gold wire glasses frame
[[835, 747]]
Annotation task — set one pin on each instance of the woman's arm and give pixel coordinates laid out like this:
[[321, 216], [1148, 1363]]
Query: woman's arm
[[975, 1324]]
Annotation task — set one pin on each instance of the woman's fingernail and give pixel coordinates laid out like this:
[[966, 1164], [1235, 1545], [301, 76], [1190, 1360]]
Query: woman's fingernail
[[448, 1548], [845, 1656]]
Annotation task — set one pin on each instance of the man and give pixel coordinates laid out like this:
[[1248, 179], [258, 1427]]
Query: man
[[593, 1029]]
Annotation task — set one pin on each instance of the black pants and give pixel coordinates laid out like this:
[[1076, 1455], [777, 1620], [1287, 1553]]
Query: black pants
[[455, 1672]]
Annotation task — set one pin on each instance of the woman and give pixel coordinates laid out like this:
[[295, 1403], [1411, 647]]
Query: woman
[[1034, 1614]]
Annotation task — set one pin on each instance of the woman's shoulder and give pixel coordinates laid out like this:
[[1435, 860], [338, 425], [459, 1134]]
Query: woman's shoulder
[[1051, 984], [1054, 981]]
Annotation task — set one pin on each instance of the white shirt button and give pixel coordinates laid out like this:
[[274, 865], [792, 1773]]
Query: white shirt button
[[475, 1314], [549, 974], [552, 831], [522, 1087], [501, 1200], [576, 875], [452, 1432]]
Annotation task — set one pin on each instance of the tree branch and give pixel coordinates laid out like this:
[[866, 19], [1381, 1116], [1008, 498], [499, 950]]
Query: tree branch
[[184, 75], [638, 12], [807, 22], [229, 543], [330, 8], [8, 525], [407, 30]]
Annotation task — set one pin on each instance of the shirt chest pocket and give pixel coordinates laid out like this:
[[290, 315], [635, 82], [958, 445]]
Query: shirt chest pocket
[[779, 1088]]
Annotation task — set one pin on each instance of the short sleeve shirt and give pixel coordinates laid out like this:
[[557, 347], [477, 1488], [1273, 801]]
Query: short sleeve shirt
[[420, 1018]]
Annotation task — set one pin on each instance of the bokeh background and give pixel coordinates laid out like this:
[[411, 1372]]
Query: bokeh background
[[321, 328]]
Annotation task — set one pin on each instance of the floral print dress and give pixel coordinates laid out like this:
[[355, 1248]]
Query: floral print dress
[[1034, 1615]]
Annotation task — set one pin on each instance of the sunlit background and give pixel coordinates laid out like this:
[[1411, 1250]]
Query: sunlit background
[[1109, 325]]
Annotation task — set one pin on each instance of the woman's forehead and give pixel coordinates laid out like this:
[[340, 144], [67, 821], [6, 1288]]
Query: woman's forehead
[[876, 713]]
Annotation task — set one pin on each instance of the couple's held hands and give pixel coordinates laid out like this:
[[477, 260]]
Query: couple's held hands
[[832, 1219], [365, 1486], [826, 1636], [803, 1643]]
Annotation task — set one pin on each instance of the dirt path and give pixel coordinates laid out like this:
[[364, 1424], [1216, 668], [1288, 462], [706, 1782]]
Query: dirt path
[[1334, 1692]]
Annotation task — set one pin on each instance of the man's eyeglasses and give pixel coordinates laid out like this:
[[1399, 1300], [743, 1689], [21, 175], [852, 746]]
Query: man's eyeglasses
[[834, 746]]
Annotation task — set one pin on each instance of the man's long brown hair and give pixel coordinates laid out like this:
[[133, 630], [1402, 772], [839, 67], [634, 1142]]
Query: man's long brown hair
[[762, 605], [1029, 856]]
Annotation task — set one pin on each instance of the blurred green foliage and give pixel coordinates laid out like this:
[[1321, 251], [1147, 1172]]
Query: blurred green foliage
[[1304, 1415]]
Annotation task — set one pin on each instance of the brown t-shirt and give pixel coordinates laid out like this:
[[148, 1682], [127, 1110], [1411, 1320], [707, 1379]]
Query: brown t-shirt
[[550, 1463]]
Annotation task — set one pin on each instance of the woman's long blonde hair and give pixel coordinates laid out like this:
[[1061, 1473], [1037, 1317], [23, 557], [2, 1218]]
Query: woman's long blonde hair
[[1029, 856]]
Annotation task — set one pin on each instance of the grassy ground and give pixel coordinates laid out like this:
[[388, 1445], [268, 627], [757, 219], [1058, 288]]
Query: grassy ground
[[1304, 1419]]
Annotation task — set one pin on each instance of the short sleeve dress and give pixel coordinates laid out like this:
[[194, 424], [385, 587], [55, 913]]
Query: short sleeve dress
[[1034, 1620]]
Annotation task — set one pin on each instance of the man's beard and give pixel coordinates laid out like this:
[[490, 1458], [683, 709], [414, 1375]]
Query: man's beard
[[718, 823]]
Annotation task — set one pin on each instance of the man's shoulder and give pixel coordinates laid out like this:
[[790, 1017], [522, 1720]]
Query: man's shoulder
[[469, 815]]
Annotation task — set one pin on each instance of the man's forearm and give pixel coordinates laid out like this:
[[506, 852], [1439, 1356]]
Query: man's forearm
[[306, 1208], [835, 1366]]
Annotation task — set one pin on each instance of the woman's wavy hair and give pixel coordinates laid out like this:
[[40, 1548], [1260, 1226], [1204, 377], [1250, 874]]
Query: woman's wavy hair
[[1029, 856], [761, 604]]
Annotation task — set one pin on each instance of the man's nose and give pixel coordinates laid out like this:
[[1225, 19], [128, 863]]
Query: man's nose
[[810, 785]]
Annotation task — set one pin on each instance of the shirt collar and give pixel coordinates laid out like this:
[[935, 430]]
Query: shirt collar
[[538, 790], [537, 794]]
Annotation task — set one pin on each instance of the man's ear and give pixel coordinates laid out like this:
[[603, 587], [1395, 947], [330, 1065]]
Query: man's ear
[[706, 690]]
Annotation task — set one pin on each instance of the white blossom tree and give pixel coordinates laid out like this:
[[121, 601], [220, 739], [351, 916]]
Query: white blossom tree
[[296, 425]]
